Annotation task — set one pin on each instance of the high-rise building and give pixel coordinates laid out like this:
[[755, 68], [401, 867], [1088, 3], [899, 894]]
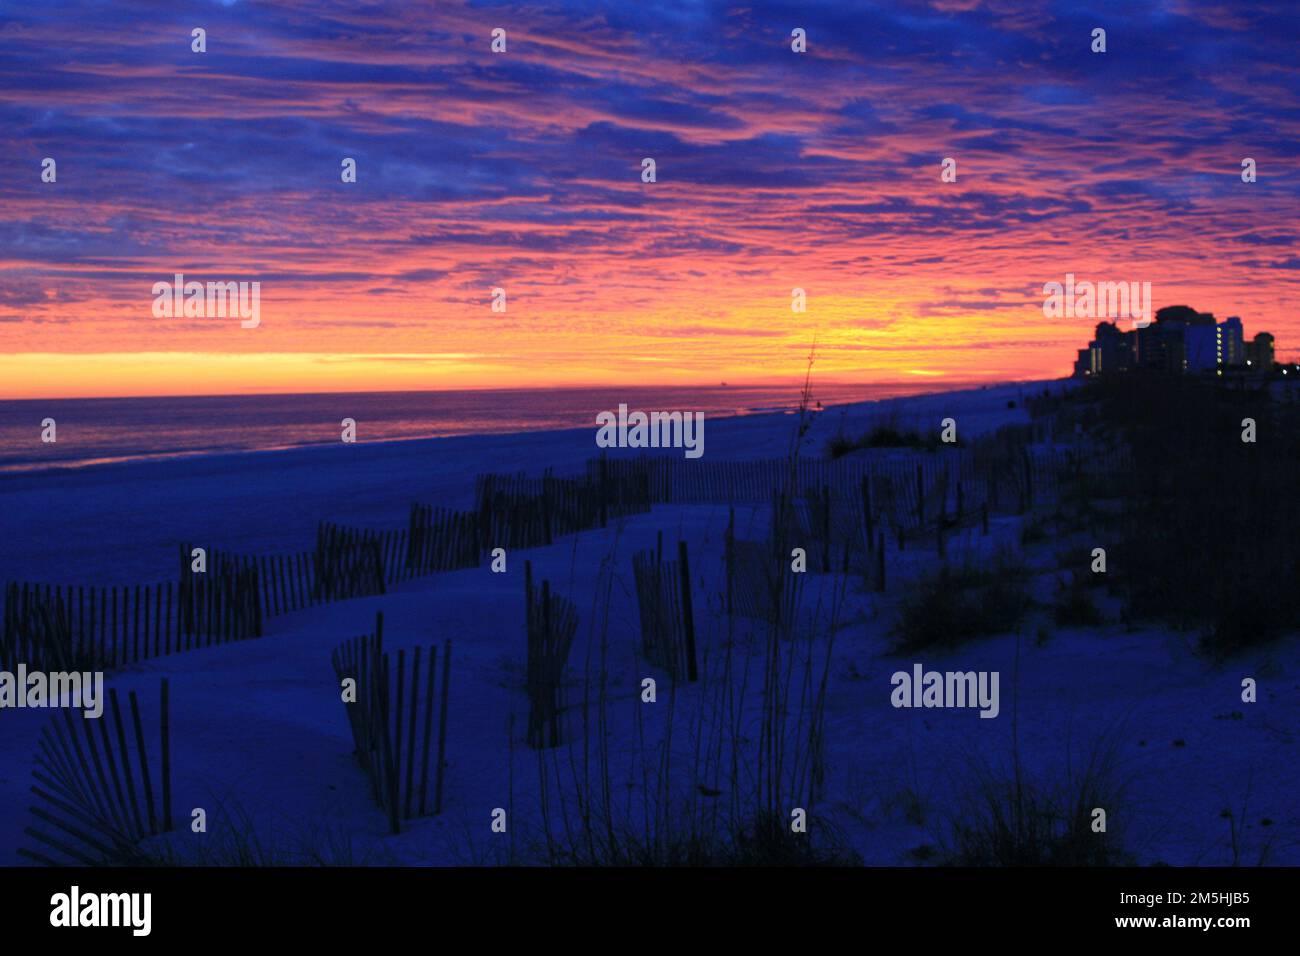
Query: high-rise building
[[1200, 342], [1110, 351], [1179, 340], [1228, 344], [1259, 352]]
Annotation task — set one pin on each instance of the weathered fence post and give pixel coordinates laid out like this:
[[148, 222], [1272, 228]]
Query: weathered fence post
[[688, 617]]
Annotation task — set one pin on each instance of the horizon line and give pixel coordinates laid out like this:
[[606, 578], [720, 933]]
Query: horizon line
[[794, 384]]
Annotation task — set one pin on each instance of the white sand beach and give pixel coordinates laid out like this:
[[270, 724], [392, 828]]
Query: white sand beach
[[261, 741]]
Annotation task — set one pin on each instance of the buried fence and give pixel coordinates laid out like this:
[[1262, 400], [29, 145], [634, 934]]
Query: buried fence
[[285, 582], [518, 511], [1006, 471], [904, 490], [350, 563], [663, 591], [550, 624], [393, 727], [95, 802], [834, 532], [360, 562], [681, 481], [758, 583], [62, 627], [515, 511], [222, 603], [841, 507], [439, 539], [227, 597]]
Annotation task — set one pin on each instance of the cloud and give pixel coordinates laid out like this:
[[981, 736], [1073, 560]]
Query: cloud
[[775, 170]]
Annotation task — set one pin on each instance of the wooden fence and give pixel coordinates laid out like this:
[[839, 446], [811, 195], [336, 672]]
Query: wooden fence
[[95, 802], [842, 508], [663, 591], [440, 539], [387, 720], [519, 511], [72, 627], [904, 488], [760, 584], [550, 624], [287, 582], [350, 562]]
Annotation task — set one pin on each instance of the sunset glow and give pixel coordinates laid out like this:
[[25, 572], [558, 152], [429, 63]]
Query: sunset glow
[[522, 171]]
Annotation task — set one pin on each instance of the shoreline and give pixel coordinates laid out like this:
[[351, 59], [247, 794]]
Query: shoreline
[[121, 523], [34, 469]]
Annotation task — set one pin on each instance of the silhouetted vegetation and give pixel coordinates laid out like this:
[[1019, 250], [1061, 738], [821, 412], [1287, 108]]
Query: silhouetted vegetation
[[885, 433], [963, 602], [1207, 533], [1073, 605], [764, 840], [1009, 819]]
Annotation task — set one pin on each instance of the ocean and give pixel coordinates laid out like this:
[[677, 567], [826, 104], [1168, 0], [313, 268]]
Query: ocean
[[102, 430]]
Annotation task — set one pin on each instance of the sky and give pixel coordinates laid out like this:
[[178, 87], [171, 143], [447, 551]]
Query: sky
[[522, 170]]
